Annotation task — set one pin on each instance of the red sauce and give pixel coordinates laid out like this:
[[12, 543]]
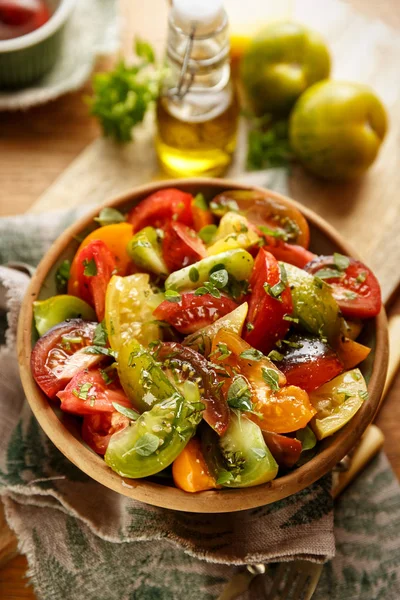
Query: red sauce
[[19, 17]]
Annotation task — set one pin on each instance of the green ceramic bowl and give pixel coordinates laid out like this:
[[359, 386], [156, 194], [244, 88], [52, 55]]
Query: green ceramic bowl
[[25, 59]]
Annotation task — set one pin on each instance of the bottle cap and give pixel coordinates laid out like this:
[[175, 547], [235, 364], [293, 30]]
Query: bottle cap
[[205, 15]]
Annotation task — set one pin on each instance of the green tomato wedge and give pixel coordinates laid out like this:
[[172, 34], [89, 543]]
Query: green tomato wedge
[[57, 309], [337, 402], [238, 263], [145, 251], [130, 302], [240, 458], [201, 340], [152, 443], [143, 381], [313, 303]]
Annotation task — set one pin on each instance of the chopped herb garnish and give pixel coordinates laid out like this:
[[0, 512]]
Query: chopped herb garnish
[[276, 233], [147, 444], [194, 274], [239, 394], [356, 375], [127, 412], [105, 376], [100, 335], [361, 277], [275, 356], [82, 392], [62, 276], [271, 378], [341, 262], [90, 267], [109, 216], [99, 350], [290, 318], [173, 296], [222, 350], [207, 233], [350, 295], [328, 273], [252, 354], [208, 288], [71, 340], [363, 394], [249, 326]]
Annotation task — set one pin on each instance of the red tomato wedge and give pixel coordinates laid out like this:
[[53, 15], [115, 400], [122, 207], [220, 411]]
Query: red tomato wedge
[[265, 324], [216, 413], [181, 246], [194, 312], [95, 265], [88, 393], [289, 253], [59, 354], [309, 362], [160, 207], [97, 429], [355, 288], [285, 450]]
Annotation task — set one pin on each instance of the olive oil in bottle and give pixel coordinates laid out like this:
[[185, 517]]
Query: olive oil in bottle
[[197, 111]]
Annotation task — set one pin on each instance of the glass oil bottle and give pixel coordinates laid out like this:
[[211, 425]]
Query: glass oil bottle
[[197, 110]]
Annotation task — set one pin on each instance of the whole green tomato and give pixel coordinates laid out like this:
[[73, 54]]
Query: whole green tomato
[[281, 62], [336, 129]]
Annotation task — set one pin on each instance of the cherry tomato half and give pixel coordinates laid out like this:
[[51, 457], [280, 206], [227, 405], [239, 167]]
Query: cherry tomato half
[[97, 429], [181, 246], [95, 265], [194, 312], [59, 354], [88, 393], [265, 324], [160, 207], [355, 288]]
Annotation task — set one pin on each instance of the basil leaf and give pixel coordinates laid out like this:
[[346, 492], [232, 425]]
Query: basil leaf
[[307, 438], [100, 335], [219, 278], [172, 296], [328, 273], [252, 354], [147, 444], [200, 202], [342, 262], [109, 216], [83, 391], [275, 356], [239, 394], [271, 378], [128, 412], [99, 350], [90, 267]]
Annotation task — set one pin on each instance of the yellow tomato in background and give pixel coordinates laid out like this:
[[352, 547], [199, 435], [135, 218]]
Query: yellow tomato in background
[[336, 129], [281, 62]]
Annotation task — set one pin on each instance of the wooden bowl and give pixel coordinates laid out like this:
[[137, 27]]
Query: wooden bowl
[[63, 430]]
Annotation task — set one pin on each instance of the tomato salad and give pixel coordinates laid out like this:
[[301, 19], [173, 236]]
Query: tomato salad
[[206, 337]]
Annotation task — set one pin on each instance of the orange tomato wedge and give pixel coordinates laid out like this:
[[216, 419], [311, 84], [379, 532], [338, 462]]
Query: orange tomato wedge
[[282, 411], [351, 353], [116, 238], [190, 471]]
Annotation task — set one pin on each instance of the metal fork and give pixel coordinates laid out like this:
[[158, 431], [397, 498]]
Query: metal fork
[[297, 580]]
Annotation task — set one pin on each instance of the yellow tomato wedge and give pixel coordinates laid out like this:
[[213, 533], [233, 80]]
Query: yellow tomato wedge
[[190, 471], [337, 401], [130, 302]]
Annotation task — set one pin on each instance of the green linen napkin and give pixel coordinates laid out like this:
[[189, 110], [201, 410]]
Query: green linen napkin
[[85, 541]]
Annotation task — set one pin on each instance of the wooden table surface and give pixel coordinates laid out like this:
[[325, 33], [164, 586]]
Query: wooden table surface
[[36, 146]]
